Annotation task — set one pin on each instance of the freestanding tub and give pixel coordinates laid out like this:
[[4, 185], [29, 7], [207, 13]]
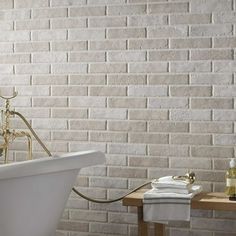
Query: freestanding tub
[[33, 193]]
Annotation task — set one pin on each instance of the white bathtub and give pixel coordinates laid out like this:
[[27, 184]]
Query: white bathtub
[[33, 194]]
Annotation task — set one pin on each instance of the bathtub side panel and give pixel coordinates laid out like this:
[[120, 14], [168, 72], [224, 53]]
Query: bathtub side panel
[[33, 205]]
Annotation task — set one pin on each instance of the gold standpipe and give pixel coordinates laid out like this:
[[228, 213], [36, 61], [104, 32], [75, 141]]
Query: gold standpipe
[[10, 135]]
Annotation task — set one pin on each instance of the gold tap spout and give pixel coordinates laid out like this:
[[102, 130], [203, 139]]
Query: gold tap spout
[[8, 98]]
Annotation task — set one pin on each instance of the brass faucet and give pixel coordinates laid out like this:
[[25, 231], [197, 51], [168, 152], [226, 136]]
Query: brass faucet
[[10, 135]]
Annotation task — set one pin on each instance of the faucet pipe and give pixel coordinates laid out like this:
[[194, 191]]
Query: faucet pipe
[[32, 131]]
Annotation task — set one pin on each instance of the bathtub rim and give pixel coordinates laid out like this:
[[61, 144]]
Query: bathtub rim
[[68, 161]]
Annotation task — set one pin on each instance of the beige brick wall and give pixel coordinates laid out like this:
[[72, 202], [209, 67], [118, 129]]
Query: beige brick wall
[[149, 82]]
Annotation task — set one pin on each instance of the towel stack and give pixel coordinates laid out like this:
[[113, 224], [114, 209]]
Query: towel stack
[[169, 200]]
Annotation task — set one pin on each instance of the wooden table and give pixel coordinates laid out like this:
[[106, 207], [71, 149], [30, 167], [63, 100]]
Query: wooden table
[[204, 201]]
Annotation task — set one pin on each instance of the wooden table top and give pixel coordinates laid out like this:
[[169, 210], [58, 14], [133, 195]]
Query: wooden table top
[[205, 201]]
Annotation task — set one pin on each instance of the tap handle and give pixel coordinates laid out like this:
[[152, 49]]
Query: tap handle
[[8, 98]]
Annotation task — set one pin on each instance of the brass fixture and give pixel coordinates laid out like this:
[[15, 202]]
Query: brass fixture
[[188, 177], [10, 135]]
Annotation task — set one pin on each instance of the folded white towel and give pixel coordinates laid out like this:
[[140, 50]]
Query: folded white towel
[[165, 207], [169, 182], [156, 193], [173, 190], [169, 179]]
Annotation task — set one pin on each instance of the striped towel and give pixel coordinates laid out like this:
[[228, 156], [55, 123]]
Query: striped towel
[[164, 207]]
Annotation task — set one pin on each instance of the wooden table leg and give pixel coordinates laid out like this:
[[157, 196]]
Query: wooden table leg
[[142, 226], [159, 229]]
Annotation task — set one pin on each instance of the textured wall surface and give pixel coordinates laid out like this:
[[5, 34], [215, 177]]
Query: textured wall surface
[[149, 82]]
